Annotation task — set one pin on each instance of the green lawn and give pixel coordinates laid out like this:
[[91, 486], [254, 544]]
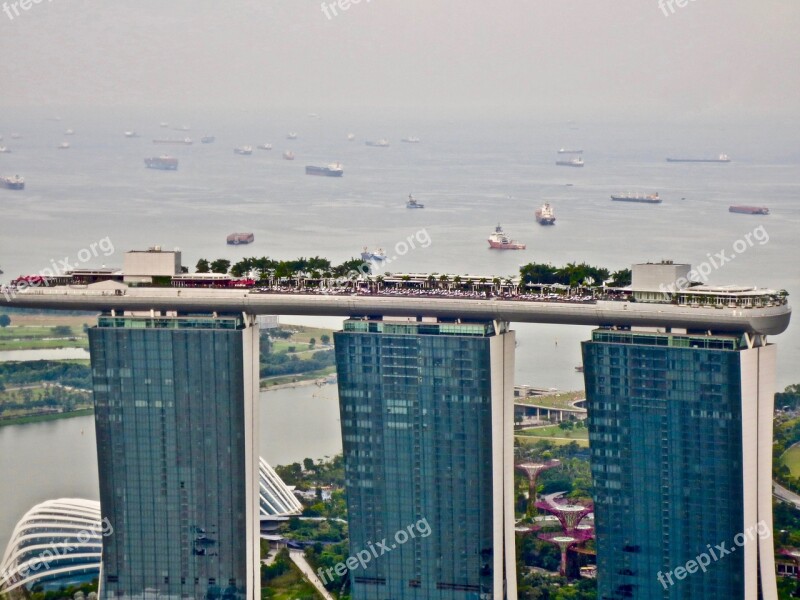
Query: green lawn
[[791, 458], [554, 431]]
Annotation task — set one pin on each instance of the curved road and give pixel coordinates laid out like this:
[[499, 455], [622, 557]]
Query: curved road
[[782, 493]]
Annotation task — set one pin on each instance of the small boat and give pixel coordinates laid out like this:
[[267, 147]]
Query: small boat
[[16, 136], [265, 147], [411, 140], [4, 150], [288, 155], [379, 255], [291, 135], [499, 240], [545, 215], [381, 143], [351, 137], [412, 203], [244, 150], [12, 183], [131, 134], [569, 151], [69, 132], [163, 124], [749, 210], [207, 139], [63, 146], [572, 162]]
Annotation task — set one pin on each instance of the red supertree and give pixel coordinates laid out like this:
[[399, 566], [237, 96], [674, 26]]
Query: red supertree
[[569, 515]]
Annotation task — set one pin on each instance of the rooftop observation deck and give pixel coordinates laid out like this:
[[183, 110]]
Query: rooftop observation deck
[[764, 314]]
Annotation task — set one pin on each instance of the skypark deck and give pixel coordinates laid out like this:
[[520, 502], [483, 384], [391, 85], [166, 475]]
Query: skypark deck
[[717, 318]]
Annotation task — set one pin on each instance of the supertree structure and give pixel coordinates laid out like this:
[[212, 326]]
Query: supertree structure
[[569, 515], [532, 470]]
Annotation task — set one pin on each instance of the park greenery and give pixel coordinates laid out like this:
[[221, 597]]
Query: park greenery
[[265, 268]]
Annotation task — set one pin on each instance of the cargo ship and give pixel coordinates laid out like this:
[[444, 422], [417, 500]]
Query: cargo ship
[[235, 239], [499, 240], [569, 151], [163, 163], [288, 155], [12, 183], [244, 150], [379, 255], [749, 210], [332, 170], [412, 203], [185, 141], [722, 158], [265, 147], [572, 162], [545, 215], [643, 198], [411, 140], [382, 143]]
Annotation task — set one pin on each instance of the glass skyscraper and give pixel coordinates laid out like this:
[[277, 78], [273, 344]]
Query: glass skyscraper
[[427, 418], [680, 429], [176, 433]]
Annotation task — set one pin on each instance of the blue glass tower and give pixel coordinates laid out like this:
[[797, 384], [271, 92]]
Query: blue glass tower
[[680, 429], [175, 421], [427, 418]]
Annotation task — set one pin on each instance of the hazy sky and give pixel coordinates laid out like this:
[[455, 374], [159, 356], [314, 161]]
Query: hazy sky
[[559, 57]]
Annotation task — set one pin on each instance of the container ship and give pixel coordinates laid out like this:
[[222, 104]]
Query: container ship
[[185, 141], [412, 203], [545, 215], [722, 158], [749, 210], [332, 170], [643, 198], [163, 163], [235, 239], [499, 240], [572, 162], [12, 183]]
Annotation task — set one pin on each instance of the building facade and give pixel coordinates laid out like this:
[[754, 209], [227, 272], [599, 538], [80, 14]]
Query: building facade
[[176, 423], [427, 428], [680, 430]]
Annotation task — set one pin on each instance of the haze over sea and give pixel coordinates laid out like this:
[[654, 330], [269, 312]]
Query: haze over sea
[[470, 174]]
